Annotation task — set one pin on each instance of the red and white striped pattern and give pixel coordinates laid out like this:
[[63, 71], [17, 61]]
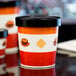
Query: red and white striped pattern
[[33, 57], [12, 61], [37, 47], [12, 57], [7, 21], [38, 60], [2, 56], [2, 46]]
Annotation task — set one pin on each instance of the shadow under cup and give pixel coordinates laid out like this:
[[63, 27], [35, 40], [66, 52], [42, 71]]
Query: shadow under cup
[[38, 41]]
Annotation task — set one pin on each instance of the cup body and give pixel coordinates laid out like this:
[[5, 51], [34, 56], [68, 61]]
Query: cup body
[[3, 41], [8, 11], [40, 50], [38, 44], [2, 46]]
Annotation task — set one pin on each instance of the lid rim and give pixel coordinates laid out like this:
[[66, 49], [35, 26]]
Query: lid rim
[[3, 33], [33, 21]]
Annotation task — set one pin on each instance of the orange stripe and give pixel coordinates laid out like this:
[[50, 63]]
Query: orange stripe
[[9, 10], [33, 30]]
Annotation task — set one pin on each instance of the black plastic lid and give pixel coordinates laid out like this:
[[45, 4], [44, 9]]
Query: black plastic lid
[[3, 33], [9, 3], [38, 21]]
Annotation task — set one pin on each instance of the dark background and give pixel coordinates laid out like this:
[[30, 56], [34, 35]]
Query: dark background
[[67, 32]]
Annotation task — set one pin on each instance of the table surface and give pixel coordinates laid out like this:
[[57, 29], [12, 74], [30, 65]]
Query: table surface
[[65, 66]]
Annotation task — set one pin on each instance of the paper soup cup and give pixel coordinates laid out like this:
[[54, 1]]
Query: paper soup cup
[[38, 41]]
